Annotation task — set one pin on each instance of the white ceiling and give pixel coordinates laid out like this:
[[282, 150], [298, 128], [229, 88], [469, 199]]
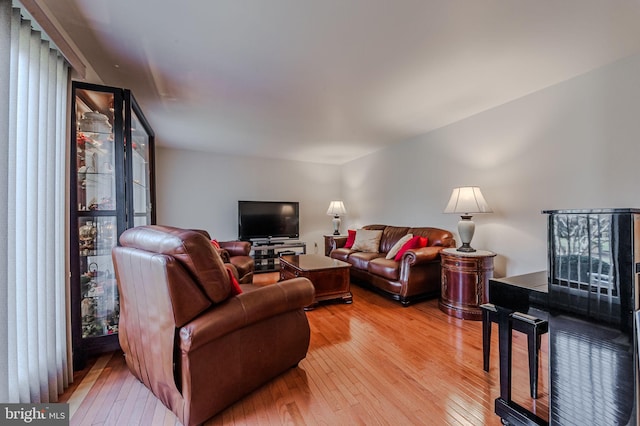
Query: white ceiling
[[328, 81]]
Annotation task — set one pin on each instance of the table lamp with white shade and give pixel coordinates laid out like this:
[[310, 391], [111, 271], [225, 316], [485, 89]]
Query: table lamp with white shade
[[336, 209], [466, 201]]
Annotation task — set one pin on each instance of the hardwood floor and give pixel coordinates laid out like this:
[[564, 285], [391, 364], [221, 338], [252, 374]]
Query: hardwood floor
[[371, 362]]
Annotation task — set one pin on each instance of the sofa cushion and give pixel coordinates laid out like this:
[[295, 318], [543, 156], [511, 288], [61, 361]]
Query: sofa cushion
[[360, 259], [386, 268], [397, 246], [390, 236], [367, 241], [413, 243], [341, 254]]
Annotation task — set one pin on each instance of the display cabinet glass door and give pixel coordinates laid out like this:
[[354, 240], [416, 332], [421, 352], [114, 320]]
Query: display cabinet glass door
[[141, 171], [98, 162]]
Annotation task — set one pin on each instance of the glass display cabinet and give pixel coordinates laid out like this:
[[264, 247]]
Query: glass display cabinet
[[112, 189]]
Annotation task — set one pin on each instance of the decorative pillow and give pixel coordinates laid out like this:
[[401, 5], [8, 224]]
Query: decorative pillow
[[235, 287], [367, 241], [350, 238], [413, 243], [397, 246]]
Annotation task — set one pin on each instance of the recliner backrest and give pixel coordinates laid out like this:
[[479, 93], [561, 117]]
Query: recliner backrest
[[191, 249]]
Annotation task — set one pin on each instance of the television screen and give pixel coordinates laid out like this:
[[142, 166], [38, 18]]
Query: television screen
[[268, 219]]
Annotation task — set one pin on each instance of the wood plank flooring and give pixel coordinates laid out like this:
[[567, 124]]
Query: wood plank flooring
[[369, 363]]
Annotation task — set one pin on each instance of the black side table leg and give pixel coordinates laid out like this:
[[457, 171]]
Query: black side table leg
[[533, 343], [505, 341], [486, 340], [488, 315]]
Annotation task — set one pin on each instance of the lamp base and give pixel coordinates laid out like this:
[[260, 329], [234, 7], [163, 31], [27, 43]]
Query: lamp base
[[466, 228], [336, 225], [466, 248]]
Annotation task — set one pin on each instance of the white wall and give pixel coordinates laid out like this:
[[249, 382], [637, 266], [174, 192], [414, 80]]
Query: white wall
[[572, 145], [201, 190]]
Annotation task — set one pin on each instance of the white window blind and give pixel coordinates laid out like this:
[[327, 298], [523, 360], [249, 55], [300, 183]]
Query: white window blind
[[34, 349]]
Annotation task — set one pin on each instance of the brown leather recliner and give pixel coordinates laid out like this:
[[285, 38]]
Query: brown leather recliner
[[239, 257], [194, 344], [238, 254]]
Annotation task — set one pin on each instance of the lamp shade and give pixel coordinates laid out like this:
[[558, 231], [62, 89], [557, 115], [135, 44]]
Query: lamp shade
[[336, 208], [467, 200]]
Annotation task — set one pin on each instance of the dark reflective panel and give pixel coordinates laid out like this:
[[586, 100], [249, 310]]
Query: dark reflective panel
[[591, 267], [591, 373]]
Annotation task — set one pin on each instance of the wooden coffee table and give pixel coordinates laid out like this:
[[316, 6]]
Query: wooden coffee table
[[330, 277]]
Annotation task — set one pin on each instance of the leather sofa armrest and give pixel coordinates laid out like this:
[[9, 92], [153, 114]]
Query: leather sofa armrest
[[245, 309], [422, 255], [236, 248], [337, 242]]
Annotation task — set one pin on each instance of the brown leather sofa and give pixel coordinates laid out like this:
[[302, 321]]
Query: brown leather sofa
[[415, 277], [187, 337]]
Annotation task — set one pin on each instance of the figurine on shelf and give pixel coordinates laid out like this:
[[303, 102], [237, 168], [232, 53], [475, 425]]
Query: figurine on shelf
[[107, 234], [93, 204], [87, 308], [87, 233], [93, 269], [94, 122], [81, 140], [93, 290], [112, 319], [85, 278], [91, 162], [91, 328]]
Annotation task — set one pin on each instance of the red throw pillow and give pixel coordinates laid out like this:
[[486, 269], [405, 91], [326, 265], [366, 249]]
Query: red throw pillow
[[415, 242], [351, 238], [235, 286]]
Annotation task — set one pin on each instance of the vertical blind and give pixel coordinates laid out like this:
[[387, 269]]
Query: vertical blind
[[34, 349]]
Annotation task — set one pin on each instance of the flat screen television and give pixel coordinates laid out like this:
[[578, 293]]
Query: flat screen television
[[267, 220]]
